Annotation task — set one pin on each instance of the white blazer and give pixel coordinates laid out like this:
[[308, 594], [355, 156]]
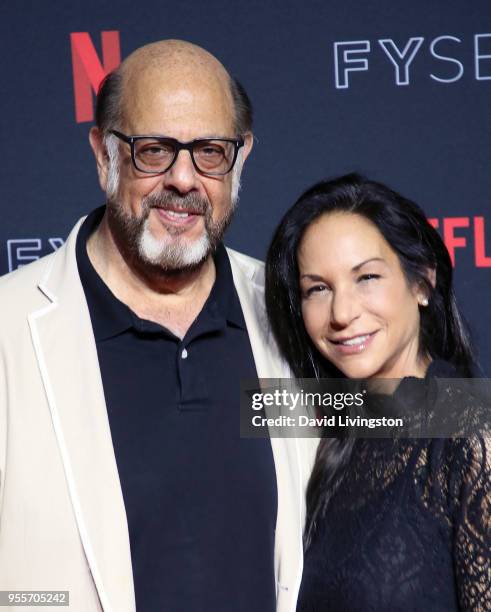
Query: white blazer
[[62, 518]]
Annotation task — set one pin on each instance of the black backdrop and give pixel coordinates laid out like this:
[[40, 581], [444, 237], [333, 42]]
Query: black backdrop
[[397, 90]]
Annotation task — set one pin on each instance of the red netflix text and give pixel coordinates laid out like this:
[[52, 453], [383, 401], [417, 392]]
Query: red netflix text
[[462, 233], [89, 71]]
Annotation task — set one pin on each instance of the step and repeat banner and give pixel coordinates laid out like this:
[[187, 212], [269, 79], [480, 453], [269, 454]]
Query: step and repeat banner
[[399, 91]]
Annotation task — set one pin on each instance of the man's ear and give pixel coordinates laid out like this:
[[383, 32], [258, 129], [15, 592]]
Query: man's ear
[[248, 142], [100, 152]]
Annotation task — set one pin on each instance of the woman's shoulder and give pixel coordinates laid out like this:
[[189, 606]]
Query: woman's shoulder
[[458, 407]]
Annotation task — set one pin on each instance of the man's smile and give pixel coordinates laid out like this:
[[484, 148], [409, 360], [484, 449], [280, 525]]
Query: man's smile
[[184, 219]]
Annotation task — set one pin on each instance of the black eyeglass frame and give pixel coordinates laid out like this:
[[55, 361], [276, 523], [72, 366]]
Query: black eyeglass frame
[[179, 146]]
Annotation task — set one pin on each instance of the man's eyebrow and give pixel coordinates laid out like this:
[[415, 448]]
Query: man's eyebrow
[[166, 136], [358, 266], [215, 137]]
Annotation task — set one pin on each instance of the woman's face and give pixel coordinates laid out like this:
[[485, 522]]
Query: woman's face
[[357, 306]]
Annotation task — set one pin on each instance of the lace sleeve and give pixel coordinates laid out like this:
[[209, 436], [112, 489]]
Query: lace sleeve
[[472, 545]]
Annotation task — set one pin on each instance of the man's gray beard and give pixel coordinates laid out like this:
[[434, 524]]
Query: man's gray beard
[[169, 254]]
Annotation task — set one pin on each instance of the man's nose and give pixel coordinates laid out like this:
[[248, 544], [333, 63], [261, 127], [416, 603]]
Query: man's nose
[[182, 176], [345, 308]]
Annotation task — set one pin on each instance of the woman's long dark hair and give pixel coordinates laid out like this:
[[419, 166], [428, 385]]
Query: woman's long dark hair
[[443, 333]]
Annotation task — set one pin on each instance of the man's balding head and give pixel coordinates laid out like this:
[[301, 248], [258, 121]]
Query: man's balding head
[[163, 66], [169, 94]]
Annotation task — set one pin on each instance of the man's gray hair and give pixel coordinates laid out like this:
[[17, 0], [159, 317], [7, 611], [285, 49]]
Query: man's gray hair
[[112, 147]]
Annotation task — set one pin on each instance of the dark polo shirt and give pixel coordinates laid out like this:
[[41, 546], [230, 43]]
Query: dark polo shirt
[[201, 502]]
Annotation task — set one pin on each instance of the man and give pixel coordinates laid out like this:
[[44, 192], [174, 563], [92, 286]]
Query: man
[[122, 474]]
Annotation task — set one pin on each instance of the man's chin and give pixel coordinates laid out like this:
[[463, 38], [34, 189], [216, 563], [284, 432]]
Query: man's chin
[[151, 248], [174, 254]]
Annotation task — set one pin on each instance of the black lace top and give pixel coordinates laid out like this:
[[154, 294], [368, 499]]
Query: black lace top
[[409, 529]]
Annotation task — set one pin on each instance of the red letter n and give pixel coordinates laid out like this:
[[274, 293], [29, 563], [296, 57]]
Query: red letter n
[[88, 71]]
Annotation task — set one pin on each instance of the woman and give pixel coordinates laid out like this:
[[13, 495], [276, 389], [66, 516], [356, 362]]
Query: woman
[[359, 285]]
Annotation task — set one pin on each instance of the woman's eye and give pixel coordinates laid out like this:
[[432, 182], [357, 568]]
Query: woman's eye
[[368, 277], [316, 289]]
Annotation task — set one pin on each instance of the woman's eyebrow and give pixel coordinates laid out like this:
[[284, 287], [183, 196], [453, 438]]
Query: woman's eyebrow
[[358, 266], [314, 277]]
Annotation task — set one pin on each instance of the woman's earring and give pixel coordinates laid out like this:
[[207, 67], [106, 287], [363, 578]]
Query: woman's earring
[[424, 302]]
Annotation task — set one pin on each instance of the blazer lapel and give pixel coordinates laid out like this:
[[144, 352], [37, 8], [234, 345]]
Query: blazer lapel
[[67, 356], [249, 283], [286, 451]]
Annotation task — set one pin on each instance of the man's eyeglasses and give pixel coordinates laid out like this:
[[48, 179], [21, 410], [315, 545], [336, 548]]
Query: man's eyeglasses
[[157, 154]]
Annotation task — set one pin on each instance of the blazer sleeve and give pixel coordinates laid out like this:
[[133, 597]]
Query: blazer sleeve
[[3, 429]]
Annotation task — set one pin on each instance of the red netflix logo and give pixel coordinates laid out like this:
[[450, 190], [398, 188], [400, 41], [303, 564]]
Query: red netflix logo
[[89, 71], [453, 241]]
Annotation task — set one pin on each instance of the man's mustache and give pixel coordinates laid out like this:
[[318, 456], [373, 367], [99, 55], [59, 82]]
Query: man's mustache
[[191, 202]]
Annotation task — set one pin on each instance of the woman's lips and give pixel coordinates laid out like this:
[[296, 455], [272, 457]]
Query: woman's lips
[[353, 345]]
